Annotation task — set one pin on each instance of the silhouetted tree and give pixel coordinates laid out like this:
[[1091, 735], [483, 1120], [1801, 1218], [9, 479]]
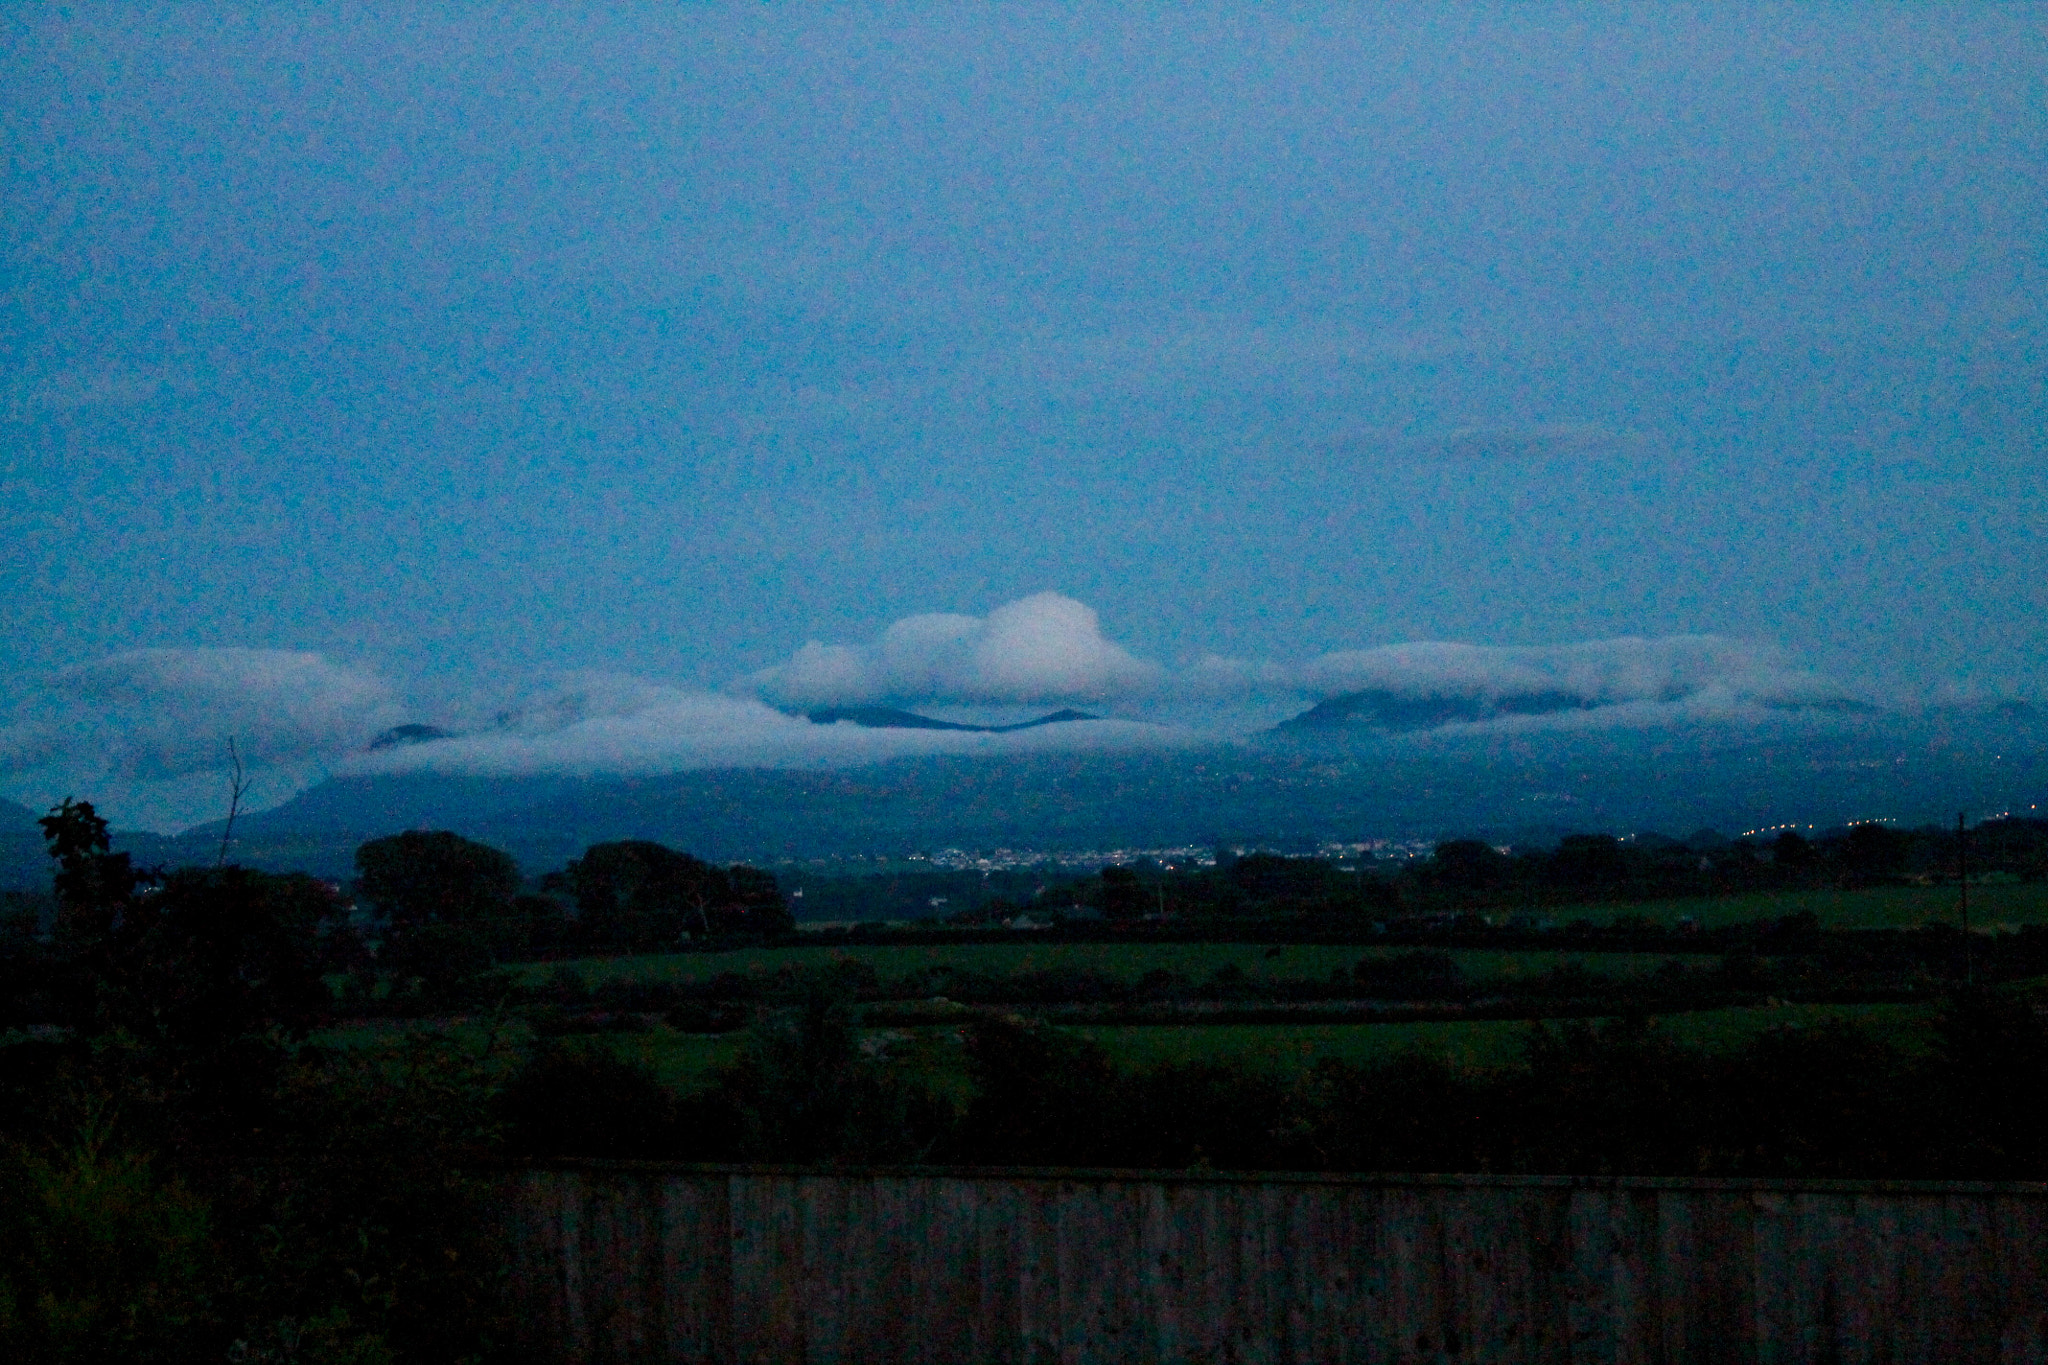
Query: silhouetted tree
[[575, 1099], [1791, 851], [446, 902], [1469, 864], [1122, 896], [1041, 1097], [424, 877], [754, 904], [1872, 852], [216, 953], [804, 1089], [1586, 862], [641, 895], [93, 885]]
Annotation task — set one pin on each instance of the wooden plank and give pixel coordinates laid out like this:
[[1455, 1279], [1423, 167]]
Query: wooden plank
[[617, 1243], [1593, 1316], [1705, 1289], [618, 1264], [997, 1329], [696, 1270], [2019, 1234], [768, 1318], [541, 1264], [1043, 1335], [833, 1219], [1774, 1314], [569, 1223], [1097, 1295]]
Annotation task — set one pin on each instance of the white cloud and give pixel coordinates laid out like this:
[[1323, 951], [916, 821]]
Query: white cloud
[[1046, 648], [568, 699], [667, 730], [161, 712], [1597, 673], [145, 733]]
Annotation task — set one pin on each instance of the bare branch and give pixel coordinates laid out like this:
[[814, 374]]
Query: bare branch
[[238, 783]]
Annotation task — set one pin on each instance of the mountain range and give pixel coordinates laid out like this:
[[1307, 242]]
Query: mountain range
[[1291, 790]]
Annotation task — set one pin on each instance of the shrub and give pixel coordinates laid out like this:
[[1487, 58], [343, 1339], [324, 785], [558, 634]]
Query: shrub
[[100, 1258]]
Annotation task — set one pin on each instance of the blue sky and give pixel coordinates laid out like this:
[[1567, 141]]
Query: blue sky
[[463, 350]]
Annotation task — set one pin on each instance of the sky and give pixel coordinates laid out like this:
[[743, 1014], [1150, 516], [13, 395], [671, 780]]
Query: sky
[[381, 364]]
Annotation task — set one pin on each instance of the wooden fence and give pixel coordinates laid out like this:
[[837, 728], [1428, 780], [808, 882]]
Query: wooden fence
[[616, 1262]]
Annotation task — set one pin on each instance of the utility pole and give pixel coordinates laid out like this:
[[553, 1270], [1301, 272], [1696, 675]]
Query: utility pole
[[1963, 884]]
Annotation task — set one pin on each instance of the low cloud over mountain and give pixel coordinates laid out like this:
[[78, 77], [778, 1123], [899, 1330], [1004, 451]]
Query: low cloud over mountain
[[1045, 648], [162, 713], [676, 731], [147, 729], [1421, 686], [146, 732]]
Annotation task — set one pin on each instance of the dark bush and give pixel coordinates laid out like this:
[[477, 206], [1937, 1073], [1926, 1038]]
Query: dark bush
[[1041, 1097], [805, 1090], [582, 1099]]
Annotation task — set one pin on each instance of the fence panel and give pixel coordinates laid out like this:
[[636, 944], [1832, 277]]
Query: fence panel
[[620, 1264]]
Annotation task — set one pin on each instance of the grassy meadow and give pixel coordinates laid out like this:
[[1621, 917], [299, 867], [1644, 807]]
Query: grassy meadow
[[1892, 907], [1126, 961], [688, 1060]]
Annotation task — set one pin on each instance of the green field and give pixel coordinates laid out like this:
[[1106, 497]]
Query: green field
[[1127, 961], [684, 1061], [2006, 905], [687, 1061], [1486, 1042], [1882, 907]]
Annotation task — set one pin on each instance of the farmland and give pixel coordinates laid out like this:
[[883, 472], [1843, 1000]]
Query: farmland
[[1122, 961], [1885, 907], [1288, 1048], [688, 1062], [685, 1057]]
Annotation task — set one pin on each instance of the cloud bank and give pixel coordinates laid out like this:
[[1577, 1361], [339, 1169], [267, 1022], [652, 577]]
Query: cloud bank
[[617, 727], [149, 727], [1050, 649], [145, 733], [1041, 649], [162, 713], [1598, 673]]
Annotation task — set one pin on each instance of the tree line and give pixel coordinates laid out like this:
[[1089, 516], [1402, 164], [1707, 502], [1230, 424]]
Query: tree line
[[1472, 875], [442, 908]]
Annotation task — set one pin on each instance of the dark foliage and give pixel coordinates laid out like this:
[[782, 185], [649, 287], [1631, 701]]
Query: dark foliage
[[636, 896], [805, 1090], [422, 877], [642, 897], [1413, 1113], [219, 953], [1122, 897], [581, 1099], [187, 1179], [1041, 1098]]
